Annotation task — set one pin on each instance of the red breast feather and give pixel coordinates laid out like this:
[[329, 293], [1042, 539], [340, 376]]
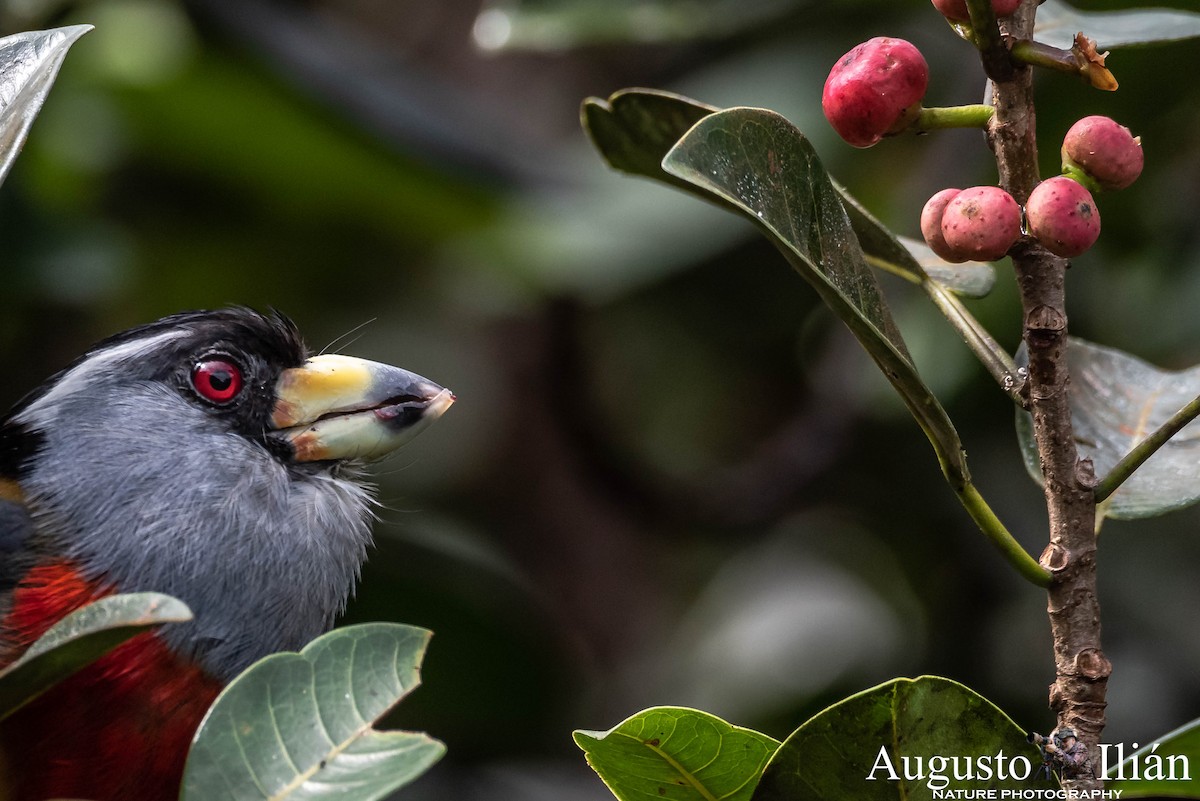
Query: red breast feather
[[118, 729]]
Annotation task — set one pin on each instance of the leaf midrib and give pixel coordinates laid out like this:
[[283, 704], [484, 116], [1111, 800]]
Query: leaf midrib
[[366, 727], [678, 768]]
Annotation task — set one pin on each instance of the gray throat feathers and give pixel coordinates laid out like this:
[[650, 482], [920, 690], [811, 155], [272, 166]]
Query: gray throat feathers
[[147, 493]]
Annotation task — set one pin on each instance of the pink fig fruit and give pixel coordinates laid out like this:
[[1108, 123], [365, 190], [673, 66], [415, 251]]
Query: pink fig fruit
[[1063, 216], [1104, 151], [875, 90], [956, 10], [981, 223], [931, 224]]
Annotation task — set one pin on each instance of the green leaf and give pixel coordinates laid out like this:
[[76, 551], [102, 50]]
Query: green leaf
[[635, 129], [973, 279], [81, 638], [1116, 400], [758, 162], [832, 755], [1168, 782], [1057, 23], [556, 25], [29, 63], [299, 726], [755, 163], [678, 754]]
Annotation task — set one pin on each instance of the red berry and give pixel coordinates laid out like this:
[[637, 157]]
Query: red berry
[[957, 9], [931, 224], [981, 223], [1062, 216], [1103, 150], [875, 89]]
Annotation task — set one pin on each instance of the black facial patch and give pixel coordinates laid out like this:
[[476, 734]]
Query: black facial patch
[[263, 345], [260, 346], [17, 446]]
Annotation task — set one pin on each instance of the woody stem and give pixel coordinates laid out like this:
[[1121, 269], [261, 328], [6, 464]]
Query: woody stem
[[1081, 669]]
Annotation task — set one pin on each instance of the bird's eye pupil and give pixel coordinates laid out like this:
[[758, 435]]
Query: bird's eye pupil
[[217, 380]]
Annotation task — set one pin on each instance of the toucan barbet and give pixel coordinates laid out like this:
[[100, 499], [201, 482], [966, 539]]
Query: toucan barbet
[[207, 456]]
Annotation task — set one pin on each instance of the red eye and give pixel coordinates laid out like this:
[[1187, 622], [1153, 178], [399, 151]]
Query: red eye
[[217, 380]]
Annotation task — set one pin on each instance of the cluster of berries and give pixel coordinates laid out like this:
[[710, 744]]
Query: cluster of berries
[[877, 89], [983, 222]]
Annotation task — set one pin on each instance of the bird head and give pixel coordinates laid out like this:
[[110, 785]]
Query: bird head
[[208, 456]]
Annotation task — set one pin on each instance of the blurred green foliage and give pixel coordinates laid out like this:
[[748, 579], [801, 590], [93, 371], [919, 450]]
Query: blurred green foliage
[[672, 477]]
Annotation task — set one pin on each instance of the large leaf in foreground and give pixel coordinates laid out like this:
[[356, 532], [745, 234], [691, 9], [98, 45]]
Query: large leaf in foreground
[[679, 754], [29, 63], [760, 163], [299, 726], [1057, 24], [1174, 754], [81, 638], [832, 755], [1116, 400]]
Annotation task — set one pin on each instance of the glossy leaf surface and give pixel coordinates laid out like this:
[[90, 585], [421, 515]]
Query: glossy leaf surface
[[758, 162], [1057, 24], [1160, 775], [679, 754], [834, 754], [29, 63], [635, 128], [1116, 400], [973, 279]]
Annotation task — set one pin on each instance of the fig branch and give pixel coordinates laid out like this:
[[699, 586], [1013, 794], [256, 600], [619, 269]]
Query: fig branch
[[1081, 668], [877, 90]]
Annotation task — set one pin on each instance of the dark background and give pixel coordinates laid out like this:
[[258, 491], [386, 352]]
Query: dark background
[[671, 477]]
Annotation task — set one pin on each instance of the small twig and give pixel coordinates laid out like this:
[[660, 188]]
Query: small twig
[[1037, 54], [1081, 669], [1081, 60], [1001, 366], [1145, 449], [994, 358], [997, 62], [994, 530], [932, 119]]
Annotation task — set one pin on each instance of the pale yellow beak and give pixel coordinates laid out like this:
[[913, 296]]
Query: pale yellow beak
[[338, 407]]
